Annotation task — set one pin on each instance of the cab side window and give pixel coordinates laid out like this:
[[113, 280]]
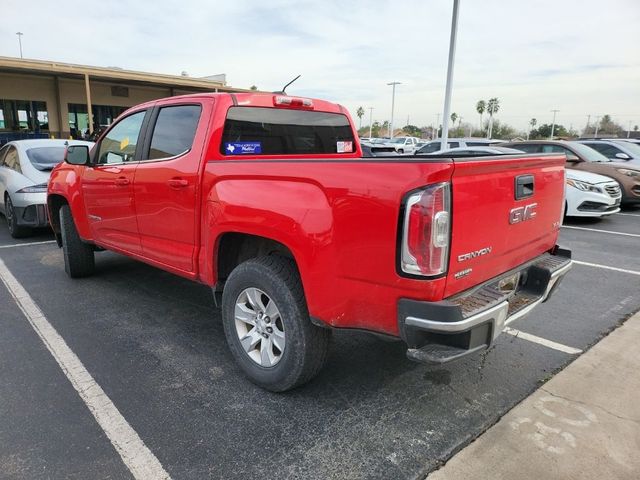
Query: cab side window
[[119, 145], [11, 160], [174, 131], [605, 149], [555, 149], [527, 148]]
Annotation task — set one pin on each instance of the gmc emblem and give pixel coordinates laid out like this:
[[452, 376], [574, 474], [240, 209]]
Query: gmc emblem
[[522, 214]]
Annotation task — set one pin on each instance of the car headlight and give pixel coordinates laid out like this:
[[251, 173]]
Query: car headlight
[[584, 186], [41, 188], [630, 173]]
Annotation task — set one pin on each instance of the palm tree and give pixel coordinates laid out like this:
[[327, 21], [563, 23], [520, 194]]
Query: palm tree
[[454, 117], [481, 106], [533, 122], [493, 105], [360, 114]]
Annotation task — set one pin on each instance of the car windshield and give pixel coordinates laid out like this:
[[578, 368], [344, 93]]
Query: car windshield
[[634, 148], [587, 153], [45, 158], [398, 140]]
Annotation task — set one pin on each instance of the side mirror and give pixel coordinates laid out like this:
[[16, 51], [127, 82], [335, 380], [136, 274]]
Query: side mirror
[[77, 155], [573, 158], [623, 156]]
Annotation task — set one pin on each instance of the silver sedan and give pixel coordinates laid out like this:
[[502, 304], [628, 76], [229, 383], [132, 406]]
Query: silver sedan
[[25, 166]]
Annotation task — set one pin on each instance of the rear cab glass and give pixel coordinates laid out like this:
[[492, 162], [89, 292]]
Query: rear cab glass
[[271, 131]]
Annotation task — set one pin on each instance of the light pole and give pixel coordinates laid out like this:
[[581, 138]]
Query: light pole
[[437, 126], [629, 129], [553, 124], [447, 94], [19, 34], [370, 121], [586, 130], [393, 102], [595, 135]]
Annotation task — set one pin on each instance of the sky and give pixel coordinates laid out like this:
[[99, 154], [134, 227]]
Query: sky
[[579, 57]]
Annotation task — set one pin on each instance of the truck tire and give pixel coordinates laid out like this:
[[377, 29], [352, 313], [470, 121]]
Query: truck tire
[[79, 258], [267, 325], [15, 230]]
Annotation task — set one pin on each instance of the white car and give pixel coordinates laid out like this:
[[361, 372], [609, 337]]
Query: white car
[[404, 144], [591, 195], [25, 167], [434, 145]]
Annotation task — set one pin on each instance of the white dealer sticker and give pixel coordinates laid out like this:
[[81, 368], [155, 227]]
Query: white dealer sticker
[[344, 147]]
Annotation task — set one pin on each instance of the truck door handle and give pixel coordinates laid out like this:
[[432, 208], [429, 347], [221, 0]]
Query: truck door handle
[[122, 181], [178, 183]]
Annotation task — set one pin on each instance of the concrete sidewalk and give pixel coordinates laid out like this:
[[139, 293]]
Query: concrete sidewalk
[[583, 424]]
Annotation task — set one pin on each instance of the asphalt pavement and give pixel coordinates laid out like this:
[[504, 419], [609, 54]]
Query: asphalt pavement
[[154, 343]]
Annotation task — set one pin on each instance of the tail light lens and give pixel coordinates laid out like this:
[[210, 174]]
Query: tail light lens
[[426, 231]]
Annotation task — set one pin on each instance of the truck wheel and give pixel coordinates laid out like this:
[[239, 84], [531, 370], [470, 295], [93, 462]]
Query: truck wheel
[[15, 230], [267, 324], [79, 259]]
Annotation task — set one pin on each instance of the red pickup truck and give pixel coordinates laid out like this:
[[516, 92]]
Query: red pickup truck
[[267, 199]]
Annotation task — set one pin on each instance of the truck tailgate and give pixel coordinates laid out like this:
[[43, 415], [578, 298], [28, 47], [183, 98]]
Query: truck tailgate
[[506, 211]]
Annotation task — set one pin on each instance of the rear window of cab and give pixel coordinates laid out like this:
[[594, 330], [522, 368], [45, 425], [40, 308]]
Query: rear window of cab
[[272, 131]]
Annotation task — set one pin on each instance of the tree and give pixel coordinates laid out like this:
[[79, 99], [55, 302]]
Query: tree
[[544, 131], [454, 117], [493, 105], [253, 87], [635, 128], [412, 131], [533, 123], [360, 114], [481, 106]]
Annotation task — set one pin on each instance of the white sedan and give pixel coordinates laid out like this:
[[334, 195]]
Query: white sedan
[[25, 166], [590, 195]]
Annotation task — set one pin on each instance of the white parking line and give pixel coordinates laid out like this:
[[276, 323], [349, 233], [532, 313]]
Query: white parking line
[[137, 457], [603, 231], [542, 341], [606, 267], [628, 214], [27, 244]]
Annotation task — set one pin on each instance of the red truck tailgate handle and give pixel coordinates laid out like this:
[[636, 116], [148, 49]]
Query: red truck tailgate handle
[[178, 183], [122, 181]]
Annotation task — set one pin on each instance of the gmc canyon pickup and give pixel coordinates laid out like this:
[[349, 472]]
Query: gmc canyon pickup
[[267, 199]]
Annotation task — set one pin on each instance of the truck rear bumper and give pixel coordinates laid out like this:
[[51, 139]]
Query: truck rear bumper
[[439, 332]]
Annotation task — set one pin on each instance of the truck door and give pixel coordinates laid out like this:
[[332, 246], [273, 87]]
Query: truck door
[[166, 186], [107, 186]]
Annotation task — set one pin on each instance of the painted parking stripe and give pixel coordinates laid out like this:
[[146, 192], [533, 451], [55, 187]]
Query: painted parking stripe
[[603, 231], [542, 341], [629, 214], [134, 453], [27, 244], [606, 267]]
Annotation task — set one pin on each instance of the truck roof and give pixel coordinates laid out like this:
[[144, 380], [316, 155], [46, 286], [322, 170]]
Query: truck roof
[[254, 99]]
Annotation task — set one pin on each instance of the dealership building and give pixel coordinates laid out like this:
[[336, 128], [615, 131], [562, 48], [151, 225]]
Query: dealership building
[[50, 99]]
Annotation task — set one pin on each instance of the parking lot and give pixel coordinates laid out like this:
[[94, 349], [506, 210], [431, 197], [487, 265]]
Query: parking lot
[[154, 343]]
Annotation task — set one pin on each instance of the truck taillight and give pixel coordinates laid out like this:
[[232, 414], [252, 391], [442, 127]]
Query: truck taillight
[[426, 231], [295, 102]]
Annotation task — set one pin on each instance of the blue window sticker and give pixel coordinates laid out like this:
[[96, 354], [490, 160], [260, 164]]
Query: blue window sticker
[[243, 148]]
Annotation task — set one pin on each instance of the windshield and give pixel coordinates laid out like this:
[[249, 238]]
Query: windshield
[[587, 153], [634, 148], [45, 158], [398, 140]]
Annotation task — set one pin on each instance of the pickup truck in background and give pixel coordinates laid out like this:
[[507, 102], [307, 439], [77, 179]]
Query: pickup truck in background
[[267, 199]]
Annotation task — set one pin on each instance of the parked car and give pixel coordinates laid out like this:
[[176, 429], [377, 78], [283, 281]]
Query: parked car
[[616, 150], [590, 195], [25, 166], [298, 238], [434, 145], [404, 144], [582, 157], [479, 151]]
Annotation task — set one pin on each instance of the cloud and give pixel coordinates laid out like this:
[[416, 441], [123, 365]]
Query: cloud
[[535, 56]]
